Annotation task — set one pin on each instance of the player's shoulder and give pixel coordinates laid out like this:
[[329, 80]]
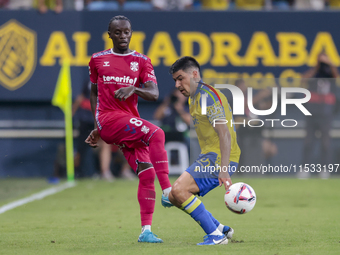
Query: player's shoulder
[[140, 55], [102, 53], [221, 95], [213, 93]]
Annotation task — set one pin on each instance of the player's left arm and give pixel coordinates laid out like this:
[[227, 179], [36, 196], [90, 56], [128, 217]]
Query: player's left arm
[[149, 92], [147, 77], [217, 117], [225, 147], [93, 138]]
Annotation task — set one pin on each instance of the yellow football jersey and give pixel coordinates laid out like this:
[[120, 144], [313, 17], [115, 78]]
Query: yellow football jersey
[[217, 108]]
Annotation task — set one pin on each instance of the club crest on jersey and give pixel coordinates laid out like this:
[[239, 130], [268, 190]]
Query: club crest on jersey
[[145, 129], [106, 63], [134, 66]]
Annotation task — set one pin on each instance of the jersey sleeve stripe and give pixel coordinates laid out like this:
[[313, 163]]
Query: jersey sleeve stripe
[[215, 92], [209, 94]]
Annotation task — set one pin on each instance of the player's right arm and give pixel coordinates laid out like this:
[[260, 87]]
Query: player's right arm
[[93, 100], [93, 138]]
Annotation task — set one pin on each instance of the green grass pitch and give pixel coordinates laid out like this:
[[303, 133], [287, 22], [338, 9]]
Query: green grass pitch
[[290, 217]]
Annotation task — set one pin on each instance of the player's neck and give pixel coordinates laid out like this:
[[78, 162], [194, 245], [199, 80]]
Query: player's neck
[[118, 51]]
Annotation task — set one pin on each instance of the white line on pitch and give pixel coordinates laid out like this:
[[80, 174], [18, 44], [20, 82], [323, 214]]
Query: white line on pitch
[[36, 196]]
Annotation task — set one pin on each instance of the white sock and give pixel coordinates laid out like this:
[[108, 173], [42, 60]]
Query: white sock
[[216, 232], [146, 227], [220, 227], [166, 191]]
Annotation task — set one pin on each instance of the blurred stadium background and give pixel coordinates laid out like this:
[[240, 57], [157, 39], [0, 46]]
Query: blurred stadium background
[[231, 43], [265, 42]]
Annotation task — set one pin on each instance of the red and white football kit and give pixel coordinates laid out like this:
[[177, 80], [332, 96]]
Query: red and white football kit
[[119, 121]]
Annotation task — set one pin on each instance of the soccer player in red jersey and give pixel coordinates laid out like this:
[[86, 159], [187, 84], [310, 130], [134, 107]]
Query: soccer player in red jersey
[[119, 75]]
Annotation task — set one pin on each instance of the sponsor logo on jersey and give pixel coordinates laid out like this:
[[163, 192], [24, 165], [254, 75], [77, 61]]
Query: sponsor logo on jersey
[[106, 63], [17, 54], [134, 66], [122, 80], [152, 75]]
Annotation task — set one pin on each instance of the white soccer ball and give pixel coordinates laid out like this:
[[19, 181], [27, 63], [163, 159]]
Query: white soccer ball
[[240, 198]]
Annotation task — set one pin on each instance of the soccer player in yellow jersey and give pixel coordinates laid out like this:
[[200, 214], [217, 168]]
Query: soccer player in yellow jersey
[[219, 150]]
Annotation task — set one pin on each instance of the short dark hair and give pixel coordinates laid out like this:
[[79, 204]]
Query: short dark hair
[[184, 63], [118, 17]]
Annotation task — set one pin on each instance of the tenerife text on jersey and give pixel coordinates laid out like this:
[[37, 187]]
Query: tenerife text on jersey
[[126, 79]]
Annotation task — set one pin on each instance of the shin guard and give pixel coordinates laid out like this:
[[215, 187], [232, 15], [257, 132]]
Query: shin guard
[[146, 195]]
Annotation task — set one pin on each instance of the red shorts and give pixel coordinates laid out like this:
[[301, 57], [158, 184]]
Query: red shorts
[[131, 134]]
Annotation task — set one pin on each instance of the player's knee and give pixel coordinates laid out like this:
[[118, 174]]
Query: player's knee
[[160, 133], [143, 166], [158, 136]]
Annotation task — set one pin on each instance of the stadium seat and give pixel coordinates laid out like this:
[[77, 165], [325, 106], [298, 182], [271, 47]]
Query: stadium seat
[[182, 162]]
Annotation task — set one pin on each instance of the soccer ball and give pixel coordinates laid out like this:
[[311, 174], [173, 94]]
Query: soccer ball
[[240, 198]]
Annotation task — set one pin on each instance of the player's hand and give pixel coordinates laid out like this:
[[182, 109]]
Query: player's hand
[[124, 93], [93, 138], [224, 178]]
